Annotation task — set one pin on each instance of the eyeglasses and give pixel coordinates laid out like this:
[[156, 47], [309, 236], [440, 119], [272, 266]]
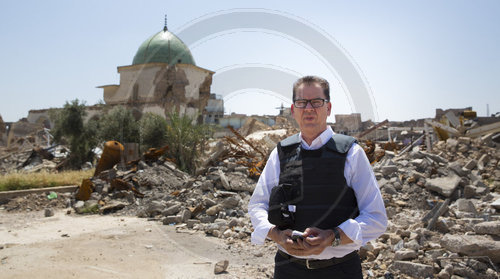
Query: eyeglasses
[[315, 103]]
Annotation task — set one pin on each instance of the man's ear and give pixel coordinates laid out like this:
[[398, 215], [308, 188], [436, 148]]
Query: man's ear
[[329, 108], [291, 108]]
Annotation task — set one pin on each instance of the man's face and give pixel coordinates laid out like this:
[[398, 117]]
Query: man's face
[[312, 121]]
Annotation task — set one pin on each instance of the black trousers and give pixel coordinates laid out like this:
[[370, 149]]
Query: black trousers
[[285, 269]]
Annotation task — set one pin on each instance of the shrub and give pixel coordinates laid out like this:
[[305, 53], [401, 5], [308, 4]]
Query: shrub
[[70, 129], [185, 140], [153, 131], [119, 124]]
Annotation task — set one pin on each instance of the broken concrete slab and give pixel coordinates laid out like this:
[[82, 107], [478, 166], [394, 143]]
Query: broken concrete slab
[[491, 228], [414, 269], [224, 181], [466, 205], [112, 206], [405, 254], [443, 185], [388, 170], [496, 204], [472, 245], [471, 164]]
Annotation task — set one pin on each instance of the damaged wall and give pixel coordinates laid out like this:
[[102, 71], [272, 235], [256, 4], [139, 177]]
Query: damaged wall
[[348, 123], [161, 89]]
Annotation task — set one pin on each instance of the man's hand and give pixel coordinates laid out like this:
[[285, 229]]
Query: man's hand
[[284, 238], [314, 242], [320, 239], [317, 240]]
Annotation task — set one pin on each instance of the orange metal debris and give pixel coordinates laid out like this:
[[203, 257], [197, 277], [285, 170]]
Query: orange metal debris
[[111, 155], [154, 153], [85, 190]]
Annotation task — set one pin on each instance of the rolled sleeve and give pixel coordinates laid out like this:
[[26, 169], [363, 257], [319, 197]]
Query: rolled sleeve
[[259, 202], [372, 219]]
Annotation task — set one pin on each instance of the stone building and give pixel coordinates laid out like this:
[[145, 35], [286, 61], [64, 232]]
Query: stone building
[[163, 78]]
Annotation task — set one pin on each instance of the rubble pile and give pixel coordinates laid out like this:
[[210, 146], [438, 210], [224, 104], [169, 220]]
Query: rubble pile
[[442, 204], [443, 208], [12, 159], [32, 159], [37, 202], [214, 201]]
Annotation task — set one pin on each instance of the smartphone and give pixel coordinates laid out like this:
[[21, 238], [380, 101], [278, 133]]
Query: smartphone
[[297, 235]]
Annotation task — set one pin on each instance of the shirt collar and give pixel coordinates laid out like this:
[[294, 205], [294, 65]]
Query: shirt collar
[[318, 142]]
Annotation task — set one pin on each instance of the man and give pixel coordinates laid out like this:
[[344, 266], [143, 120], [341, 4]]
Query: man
[[321, 184]]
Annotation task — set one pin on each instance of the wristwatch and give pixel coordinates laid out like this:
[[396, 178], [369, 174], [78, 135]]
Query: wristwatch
[[336, 241]]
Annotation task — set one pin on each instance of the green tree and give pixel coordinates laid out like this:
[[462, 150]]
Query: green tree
[[153, 131], [186, 140], [119, 124], [69, 128]]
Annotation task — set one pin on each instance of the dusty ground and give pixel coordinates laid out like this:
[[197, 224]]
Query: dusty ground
[[97, 246]]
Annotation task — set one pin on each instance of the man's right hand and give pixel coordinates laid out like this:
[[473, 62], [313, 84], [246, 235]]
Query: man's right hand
[[284, 239]]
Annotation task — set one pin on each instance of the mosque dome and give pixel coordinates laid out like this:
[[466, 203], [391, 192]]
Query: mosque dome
[[163, 47]]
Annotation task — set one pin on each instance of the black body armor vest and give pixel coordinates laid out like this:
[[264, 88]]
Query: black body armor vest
[[312, 190]]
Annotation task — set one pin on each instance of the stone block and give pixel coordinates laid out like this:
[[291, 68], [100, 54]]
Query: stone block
[[154, 208], [466, 205], [174, 209], [414, 269], [231, 202], [405, 254], [191, 222], [185, 215], [472, 245], [471, 164], [388, 170], [495, 204], [169, 220], [492, 228], [443, 185], [213, 210], [389, 189], [469, 191], [224, 181]]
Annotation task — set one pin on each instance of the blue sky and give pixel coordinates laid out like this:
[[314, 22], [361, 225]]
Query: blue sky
[[415, 56]]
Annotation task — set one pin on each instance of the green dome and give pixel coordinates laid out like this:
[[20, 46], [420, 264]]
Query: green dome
[[163, 47]]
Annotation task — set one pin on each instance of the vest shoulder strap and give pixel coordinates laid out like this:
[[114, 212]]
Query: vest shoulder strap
[[291, 140], [340, 143], [287, 145]]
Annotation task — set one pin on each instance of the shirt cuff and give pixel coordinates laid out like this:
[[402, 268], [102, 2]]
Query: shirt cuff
[[353, 230], [259, 234]]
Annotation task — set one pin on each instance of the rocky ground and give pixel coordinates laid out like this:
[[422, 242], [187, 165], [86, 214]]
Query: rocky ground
[[442, 206]]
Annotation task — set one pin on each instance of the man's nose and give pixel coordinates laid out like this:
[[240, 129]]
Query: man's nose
[[309, 106]]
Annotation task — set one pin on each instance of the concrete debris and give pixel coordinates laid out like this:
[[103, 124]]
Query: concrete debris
[[49, 212], [414, 269], [491, 228], [252, 125], [221, 266], [472, 245], [449, 200], [443, 204], [443, 185]]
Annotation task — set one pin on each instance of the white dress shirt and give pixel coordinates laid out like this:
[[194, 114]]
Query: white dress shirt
[[371, 221]]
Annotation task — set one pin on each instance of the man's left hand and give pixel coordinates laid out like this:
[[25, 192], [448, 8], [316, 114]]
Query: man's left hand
[[316, 240]]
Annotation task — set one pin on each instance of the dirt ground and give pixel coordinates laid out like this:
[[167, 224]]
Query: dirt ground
[[106, 246]]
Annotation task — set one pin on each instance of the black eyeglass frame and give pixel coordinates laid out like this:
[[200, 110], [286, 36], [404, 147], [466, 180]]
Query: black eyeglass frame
[[311, 102]]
